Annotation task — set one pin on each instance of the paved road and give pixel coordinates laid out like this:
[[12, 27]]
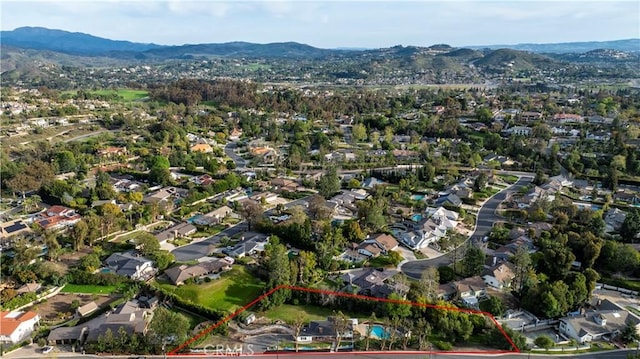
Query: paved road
[[486, 218], [617, 354], [229, 150]]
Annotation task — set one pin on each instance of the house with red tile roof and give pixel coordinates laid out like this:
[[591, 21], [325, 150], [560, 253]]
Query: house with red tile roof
[[56, 217], [17, 326]]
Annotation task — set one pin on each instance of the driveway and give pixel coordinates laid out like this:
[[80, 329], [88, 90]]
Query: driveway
[[486, 218], [197, 250], [230, 151]]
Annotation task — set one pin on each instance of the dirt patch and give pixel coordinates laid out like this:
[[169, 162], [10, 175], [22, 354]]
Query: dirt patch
[[55, 308], [71, 259]]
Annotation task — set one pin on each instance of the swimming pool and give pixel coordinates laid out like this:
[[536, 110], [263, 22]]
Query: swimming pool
[[417, 197], [416, 217], [377, 331]]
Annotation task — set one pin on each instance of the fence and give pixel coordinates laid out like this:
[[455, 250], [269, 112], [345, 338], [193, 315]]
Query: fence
[[617, 289]]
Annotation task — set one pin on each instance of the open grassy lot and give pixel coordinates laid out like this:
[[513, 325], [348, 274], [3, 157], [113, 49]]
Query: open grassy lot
[[125, 94], [232, 290], [89, 289]]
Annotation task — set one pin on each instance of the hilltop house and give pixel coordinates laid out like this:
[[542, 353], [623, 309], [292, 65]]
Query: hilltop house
[[183, 229], [179, 274], [467, 290], [324, 330], [17, 326]]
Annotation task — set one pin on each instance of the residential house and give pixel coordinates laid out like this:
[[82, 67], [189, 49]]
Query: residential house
[[613, 219], [599, 136], [57, 217], [372, 282], [214, 217], [183, 229], [111, 152], [627, 197], [605, 323], [202, 147], [450, 199], [568, 118], [284, 185], [467, 290], [324, 331], [518, 131], [129, 316], [235, 134], [164, 195], [499, 276], [179, 274], [203, 180], [67, 335], [132, 265], [372, 182], [13, 228], [87, 309], [17, 326], [247, 247], [530, 116]]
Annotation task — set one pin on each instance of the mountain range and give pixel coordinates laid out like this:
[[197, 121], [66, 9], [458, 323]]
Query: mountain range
[[74, 43]]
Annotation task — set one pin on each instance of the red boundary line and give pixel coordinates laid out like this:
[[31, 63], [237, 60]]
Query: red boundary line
[[205, 331]]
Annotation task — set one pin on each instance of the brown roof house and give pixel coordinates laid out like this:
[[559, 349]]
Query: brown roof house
[[499, 276]]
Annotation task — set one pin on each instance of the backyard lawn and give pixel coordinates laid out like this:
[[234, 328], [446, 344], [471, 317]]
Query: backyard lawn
[[232, 290], [89, 288], [290, 313]]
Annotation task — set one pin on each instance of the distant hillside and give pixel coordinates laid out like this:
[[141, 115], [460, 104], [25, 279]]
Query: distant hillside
[[520, 60], [242, 49], [464, 54], [76, 43], [628, 45]]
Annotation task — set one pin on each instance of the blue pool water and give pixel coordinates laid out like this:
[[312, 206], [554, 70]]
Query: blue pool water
[[105, 270], [416, 217], [417, 197], [379, 332]]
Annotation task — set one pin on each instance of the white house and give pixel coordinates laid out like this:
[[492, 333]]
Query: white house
[[499, 276], [17, 326], [595, 325]]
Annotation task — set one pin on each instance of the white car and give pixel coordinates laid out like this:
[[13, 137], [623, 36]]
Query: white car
[[47, 349]]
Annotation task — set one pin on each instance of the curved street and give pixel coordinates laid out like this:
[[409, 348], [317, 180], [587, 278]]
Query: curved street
[[486, 218]]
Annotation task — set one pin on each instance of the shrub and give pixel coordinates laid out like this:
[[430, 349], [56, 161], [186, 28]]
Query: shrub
[[442, 345]]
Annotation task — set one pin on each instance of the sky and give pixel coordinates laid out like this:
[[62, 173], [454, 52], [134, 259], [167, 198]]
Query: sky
[[334, 23]]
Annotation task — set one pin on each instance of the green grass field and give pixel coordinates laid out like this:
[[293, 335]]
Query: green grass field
[[232, 290], [89, 289], [290, 313], [125, 94]]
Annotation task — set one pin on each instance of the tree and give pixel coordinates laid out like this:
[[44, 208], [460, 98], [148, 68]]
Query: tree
[[252, 212], [446, 274], [631, 225], [629, 334], [30, 203], [163, 259], [276, 263], [318, 209], [473, 261], [544, 341], [397, 309], [298, 323], [79, 234], [340, 325], [167, 327], [329, 183], [147, 244], [75, 304], [371, 213], [53, 246], [109, 215], [65, 161], [493, 305], [352, 232], [480, 182], [358, 132], [429, 283], [522, 265]]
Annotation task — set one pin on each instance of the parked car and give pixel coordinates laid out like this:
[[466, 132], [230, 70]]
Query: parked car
[[47, 349]]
